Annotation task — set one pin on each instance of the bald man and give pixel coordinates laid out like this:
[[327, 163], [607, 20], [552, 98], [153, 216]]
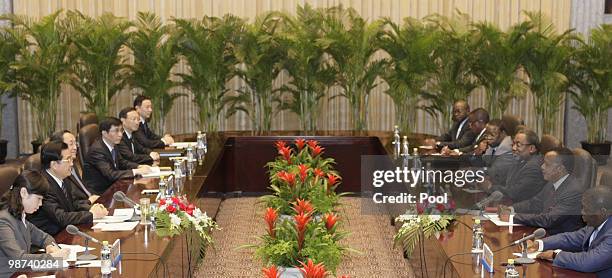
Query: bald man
[[460, 127]]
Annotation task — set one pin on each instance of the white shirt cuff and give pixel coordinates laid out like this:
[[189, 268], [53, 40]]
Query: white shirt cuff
[[540, 245], [165, 143]]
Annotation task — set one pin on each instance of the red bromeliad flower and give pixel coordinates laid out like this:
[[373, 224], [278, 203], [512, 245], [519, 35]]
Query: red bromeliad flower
[[332, 179], [182, 206], [312, 143], [311, 270], [344, 276], [176, 200], [330, 220], [286, 153], [270, 218], [303, 171], [162, 202], [303, 206], [318, 172], [300, 143], [317, 150], [270, 272], [301, 220], [286, 177], [280, 144]]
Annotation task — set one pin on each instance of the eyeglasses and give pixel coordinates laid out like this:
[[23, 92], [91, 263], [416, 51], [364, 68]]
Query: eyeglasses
[[67, 160], [519, 144], [117, 130]]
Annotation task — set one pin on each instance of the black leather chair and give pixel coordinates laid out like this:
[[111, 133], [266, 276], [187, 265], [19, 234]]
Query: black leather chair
[[8, 174], [32, 162], [548, 142], [87, 135], [585, 168], [86, 119], [510, 123], [606, 178]]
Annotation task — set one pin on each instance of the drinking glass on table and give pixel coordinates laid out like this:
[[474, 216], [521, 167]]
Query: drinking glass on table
[[145, 211]]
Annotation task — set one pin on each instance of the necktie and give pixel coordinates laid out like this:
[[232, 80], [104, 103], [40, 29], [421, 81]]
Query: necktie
[[493, 151], [114, 154], [63, 187], [80, 183]]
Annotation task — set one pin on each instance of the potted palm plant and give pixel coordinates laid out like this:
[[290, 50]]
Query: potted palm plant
[[258, 52], [545, 61], [452, 78], [207, 45], [42, 65], [155, 54], [496, 62], [409, 47], [99, 70], [8, 50], [352, 43], [307, 65], [591, 89]]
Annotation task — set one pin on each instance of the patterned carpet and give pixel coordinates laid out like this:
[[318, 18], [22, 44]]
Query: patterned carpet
[[241, 221]]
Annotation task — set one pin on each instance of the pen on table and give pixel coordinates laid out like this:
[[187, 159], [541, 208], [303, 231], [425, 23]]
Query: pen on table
[[55, 244], [78, 264]]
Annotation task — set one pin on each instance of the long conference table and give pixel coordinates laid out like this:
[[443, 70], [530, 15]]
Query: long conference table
[[235, 166]]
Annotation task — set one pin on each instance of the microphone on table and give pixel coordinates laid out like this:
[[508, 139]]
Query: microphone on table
[[537, 234], [121, 197], [73, 230], [494, 197]]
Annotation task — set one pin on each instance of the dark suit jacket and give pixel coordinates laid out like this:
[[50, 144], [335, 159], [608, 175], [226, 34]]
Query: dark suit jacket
[[524, 181], [16, 240], [140, 154], [100, 172], [451, 134], [578, 255], [78, 191], [147, 138], [557, 211], [59, 210]]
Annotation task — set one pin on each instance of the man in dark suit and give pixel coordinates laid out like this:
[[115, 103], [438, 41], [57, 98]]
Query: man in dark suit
[[590, 248], [60, 208], [76, 173], [557, 207], [460, 128], [477, 123], [525, 179], [129, 148], [104, 164], [144, 135]]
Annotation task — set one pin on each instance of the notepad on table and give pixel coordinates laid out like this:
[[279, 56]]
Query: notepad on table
[[495, 219], [115, 227], [183, 145]]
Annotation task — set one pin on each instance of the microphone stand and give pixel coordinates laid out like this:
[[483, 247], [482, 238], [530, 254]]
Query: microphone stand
[[86, 256], [524, 259], [135, 216]]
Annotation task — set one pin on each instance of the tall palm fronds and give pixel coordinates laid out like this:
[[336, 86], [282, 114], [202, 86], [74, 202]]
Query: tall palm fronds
[[546, 60], [9, 47], [99, 69], [207, 45], [155, 55], [452, 78], [409, 48], [306, 63], [258, 51], [352, 42], [590, 78], [42, 64], [497, 57]]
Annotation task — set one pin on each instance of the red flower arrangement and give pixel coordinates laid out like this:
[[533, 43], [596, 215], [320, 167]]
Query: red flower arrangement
[[303, 206], [286, 153], [330, 221], [311, 270], [270, 218], [301, 221], [270, 272], [318, 173], [300, 143], [303, 171], [317, 150], [280, 144], [289, 178]]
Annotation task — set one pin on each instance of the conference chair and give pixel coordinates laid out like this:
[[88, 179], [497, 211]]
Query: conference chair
[[87, 135], [86, 119], [510, 123], [548, 142], [33, 162], [585, 168], [8, 174], [606, 178]]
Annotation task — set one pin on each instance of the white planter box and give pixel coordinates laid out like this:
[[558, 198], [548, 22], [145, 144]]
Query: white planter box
[[290, 272]]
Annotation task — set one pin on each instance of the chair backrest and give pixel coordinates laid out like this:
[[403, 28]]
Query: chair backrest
[[585, 168], [8, 174], [87, 135], [548, 142], [33, 162], [86, 119], [606, 178], [510, 123]]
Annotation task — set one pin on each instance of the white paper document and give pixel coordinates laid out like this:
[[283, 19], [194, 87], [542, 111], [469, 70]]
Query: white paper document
[[495, 219], [115, 227], [119, 215], [532, 255], [183, 145], [472, 191], [158, 174]]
